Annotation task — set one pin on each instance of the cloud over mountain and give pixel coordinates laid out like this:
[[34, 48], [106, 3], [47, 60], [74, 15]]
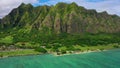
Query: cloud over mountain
[[111, 6], [7, 5]]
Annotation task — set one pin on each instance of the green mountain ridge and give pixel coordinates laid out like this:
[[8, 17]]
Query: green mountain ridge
[[68, 18]]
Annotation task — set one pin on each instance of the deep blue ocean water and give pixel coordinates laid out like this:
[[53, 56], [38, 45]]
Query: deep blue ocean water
[[106, 59]]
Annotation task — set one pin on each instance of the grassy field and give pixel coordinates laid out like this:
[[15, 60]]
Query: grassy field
[[18, 52], [98, 47]]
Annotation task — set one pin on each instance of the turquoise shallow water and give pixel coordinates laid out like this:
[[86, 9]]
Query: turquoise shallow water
[[106, 59]]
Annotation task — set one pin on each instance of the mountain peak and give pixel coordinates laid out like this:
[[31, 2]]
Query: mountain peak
[[74, 4], [25, 5], [69, 18], [104, 12], [29, 5], [61, 4], [22, 4]]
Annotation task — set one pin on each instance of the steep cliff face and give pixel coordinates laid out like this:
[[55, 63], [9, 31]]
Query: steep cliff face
[[68, 18]]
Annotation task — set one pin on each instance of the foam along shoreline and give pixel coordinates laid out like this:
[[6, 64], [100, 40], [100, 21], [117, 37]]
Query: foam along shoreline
[[77, 52]]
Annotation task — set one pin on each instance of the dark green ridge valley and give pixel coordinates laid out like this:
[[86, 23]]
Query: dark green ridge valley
[[61, 26]]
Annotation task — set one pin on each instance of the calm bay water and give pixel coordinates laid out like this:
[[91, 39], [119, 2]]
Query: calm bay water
[[106, 59]]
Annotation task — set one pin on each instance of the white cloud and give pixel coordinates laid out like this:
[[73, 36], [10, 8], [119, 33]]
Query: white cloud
[[7, 5], [111, 6]]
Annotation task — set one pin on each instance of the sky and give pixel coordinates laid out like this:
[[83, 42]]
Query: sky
[[111, 6]]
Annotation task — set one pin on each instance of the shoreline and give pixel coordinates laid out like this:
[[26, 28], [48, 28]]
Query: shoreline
[[80, 52], [54, 53]]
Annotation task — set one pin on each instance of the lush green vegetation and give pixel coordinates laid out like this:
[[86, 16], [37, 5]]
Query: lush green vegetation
[[7, 39], [63, 43], [40, 49], [60, 28]]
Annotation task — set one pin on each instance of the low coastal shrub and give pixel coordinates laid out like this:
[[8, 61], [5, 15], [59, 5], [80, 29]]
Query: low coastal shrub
[[40, 49]]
